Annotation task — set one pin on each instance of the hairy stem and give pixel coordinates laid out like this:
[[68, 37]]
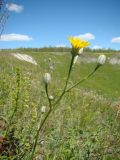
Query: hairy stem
[[42, 123], [37, 134], [66, 83], [85, 78]]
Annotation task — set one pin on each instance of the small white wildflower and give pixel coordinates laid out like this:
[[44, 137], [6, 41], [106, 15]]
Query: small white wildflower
[[42, 142], [80, 51], [75, 59], [47, 78], [51, 97], [43, 109], [101, 59]]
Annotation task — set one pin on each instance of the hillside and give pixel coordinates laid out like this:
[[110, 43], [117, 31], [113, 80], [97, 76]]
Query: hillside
[[85, 123]]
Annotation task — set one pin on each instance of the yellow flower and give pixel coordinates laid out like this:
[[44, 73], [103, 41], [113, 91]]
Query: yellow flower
[[77, 44]]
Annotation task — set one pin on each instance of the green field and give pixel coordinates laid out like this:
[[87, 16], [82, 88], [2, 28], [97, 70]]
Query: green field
[[85, 125]]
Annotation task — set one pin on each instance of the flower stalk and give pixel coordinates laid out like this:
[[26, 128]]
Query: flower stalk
[[42, 123], [37, 134], [84, 79], [67, 80]]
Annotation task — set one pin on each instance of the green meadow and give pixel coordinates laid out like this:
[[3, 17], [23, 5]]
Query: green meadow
[[86, 122]]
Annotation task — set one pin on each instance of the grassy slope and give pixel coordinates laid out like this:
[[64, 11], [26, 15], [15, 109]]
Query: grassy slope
[[80, 111], [105, 81]]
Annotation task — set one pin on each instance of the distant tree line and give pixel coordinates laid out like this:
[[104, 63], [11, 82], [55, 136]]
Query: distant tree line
[[63, 49], [68, 49]]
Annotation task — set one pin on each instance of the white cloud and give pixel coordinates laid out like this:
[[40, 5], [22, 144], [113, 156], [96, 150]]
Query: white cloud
[[15, 37], [115, 40], [14, 7], [96, 47], [86, 36]]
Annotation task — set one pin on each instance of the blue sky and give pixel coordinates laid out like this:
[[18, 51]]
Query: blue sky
[[39, 23]]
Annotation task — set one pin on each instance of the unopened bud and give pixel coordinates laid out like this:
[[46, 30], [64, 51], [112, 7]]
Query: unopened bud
[[43, 109], [101, 59], [51, 97], [42, 142], [80, 51], [75, 59], [47, 78]]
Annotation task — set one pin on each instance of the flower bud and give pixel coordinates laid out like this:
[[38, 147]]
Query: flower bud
[[47, 78], [43, 109], [80, 51], [42, 142], [51, 97], [75, 59], [101, 59]]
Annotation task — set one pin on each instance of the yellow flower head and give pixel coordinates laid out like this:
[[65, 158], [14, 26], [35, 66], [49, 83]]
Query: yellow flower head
[[77, 44]]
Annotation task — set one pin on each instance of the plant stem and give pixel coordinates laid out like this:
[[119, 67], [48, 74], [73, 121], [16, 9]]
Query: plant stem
[[66, 83], [46, 89], [85, 78], [42, 123], [38, 131], [50, 107]]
